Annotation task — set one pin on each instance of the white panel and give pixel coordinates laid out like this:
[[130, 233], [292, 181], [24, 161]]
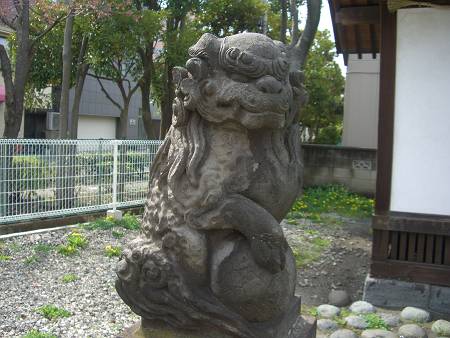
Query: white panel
[[95, 127], [421, 164]]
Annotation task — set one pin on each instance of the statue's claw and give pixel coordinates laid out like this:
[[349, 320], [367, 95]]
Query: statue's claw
[[269, 251]]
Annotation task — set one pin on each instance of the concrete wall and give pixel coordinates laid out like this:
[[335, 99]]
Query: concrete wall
[[352, 167], [95, 127], [94, 103], [421, 162], [361, 102]]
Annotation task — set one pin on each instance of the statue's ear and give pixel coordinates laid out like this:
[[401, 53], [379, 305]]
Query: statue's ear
[[178, 74], [198, 68]]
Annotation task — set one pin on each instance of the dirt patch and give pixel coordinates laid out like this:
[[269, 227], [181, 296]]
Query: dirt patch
[[333, 253]]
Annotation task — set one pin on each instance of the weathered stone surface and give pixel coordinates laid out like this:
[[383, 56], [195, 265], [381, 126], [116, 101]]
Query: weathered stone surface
[[441, 328], [356, 322], [327, 325], [440, 299], [339, 298], [343, 333], [362, 307], [212, 252], [377, 333], [413, 314], [412, 331], [327, 311], [390, 319], [394, 293]]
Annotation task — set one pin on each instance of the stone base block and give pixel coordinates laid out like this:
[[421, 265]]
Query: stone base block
[[304, 327], [390, 293], [116, 214]]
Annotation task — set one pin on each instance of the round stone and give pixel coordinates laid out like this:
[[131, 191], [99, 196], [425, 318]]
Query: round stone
[[327, 325], [390, 319], [441, 328], [338, 298], [362, 307], [377, 333], [327, 311], [414, 314], [412, 331], [356, 322], [343, 333]]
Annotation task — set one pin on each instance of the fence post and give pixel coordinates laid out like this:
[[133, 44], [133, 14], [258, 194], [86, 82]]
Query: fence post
[[116, 214]]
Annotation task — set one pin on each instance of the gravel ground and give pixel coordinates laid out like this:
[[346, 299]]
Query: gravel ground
[[96, 309], [27, 284]]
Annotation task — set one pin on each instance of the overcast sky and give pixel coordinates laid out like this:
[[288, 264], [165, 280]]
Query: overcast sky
[[325, 23]]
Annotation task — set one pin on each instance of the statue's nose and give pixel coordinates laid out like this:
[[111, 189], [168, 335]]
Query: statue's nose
[[268, 84]]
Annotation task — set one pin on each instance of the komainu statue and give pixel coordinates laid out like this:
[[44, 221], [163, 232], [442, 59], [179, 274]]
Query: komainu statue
[[212, 260]]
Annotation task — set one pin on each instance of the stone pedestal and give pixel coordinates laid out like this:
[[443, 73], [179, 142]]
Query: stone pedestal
[[304, 327]]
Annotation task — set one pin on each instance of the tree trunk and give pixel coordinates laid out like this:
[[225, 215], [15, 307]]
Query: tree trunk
[[283, 28], [64, 115], [294, 15], [82, 69], [146, 112], [122, 131], [166, 102]]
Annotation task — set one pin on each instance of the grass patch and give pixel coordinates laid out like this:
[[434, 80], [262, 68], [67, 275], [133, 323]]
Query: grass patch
[[69, 278], [31, 259], [374, 321], [38, 334], [117, 234], [113, 251], [75, 241], [4, 257], [43, 248], [309, 250], [52, 312], [128, 221], [331, 199]]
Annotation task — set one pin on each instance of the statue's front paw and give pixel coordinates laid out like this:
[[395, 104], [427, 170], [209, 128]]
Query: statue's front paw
[[269, 251]]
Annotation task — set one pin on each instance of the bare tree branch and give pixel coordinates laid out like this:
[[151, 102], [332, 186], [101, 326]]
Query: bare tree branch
[[298, 52], [114, 102], [48, 29]]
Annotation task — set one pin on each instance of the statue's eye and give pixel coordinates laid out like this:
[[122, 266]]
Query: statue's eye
[[239, 77]]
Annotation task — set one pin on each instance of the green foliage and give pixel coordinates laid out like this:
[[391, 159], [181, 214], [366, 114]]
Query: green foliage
[[117, 234], [52, 312], [38, 334], [31, 259], [43, 248], [374, 321], [68, 278], [4, 257], [331, 199], [75, 241], [113, 251], [226, 17], [31, 171], [325, 86], [128, 221], [309, 250]]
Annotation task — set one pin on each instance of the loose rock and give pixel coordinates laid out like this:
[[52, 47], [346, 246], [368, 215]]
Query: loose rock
[[362, 307], [338, 298], [441, 328], [327, 325], [343, 333], [413, 314], [356, 322], [412, 331], [377, 333], [390, 319], [328, 311]]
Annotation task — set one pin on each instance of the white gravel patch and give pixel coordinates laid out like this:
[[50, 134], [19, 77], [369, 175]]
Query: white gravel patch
[[26, 284]]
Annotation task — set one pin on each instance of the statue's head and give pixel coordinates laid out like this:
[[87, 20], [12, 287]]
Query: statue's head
[[244, 78]]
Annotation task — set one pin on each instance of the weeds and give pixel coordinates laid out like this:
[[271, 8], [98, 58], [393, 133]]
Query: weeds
[[70, 277], [117, 234], [38, 334], [128, 221], [75, 241], [113, 251], [374, 321], [309, 250], [4, 257], [43, 248], [331, 199], [31, 259], [52, 312]]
